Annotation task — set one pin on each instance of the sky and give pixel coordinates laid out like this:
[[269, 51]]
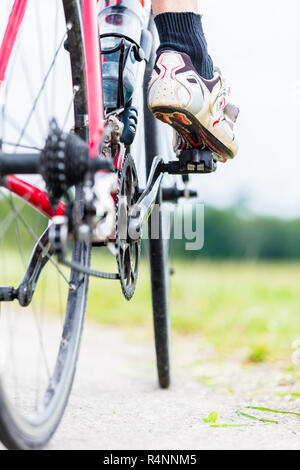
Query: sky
[[257, 46]]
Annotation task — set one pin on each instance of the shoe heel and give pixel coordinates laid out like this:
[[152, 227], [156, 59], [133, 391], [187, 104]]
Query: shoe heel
[[184, 123]]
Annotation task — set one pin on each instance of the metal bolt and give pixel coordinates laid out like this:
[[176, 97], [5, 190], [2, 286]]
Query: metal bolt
[[84, 232], [64, 343]]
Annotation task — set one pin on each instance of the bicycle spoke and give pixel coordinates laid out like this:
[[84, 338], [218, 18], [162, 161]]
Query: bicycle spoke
[[17, 128], [67, 115], [40, 336], [12, 144], [5, 224], [41, 89], [60, 301], [41, 52], [36, 239], [56, 20], [31, 93], [39, 361], [11, 364], [41, 342], [20, 243], [6, 87]]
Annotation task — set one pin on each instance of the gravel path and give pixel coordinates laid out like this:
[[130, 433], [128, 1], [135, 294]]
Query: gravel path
[[116, 403]]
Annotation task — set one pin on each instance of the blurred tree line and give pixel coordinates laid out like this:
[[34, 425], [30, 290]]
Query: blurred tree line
[[229, 234]]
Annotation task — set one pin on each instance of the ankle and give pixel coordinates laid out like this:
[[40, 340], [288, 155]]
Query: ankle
[[183, 32]]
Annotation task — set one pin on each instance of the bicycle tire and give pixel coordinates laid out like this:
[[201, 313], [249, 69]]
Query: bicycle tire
[[23, 432], [158, 252]]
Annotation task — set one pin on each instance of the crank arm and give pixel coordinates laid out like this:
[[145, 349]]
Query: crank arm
[[143, 207], [191, 161]]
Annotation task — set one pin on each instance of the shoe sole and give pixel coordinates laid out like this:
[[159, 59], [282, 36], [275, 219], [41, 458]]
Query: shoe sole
[[190, 128]]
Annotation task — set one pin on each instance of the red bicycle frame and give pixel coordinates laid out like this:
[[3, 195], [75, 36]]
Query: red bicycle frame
[[34, 196]]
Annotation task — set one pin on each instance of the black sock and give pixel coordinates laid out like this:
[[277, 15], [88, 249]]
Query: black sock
[[183, 32]]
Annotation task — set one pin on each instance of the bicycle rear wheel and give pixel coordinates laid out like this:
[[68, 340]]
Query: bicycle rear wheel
[[39, 344], [158, 252]]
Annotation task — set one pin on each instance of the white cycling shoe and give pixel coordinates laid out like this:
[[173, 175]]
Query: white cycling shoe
[[198, 109]]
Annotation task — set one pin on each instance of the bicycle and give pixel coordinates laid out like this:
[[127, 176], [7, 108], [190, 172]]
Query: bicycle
[[77, 142]]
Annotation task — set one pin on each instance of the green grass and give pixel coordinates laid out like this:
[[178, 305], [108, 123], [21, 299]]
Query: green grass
[[251, 309], [237, 306], [247, 309]]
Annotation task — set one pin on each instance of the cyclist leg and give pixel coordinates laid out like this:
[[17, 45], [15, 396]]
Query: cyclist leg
[[161, 6], [185, 91]]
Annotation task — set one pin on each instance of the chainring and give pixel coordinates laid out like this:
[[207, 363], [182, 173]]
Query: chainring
[[128, 249]]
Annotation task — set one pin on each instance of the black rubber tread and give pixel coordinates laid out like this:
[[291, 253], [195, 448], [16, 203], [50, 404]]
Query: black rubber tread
[[194, 132], [158, 253]]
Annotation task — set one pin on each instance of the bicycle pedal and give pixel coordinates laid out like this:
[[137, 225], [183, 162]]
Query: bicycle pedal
[[192, 161], [197, 161]]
